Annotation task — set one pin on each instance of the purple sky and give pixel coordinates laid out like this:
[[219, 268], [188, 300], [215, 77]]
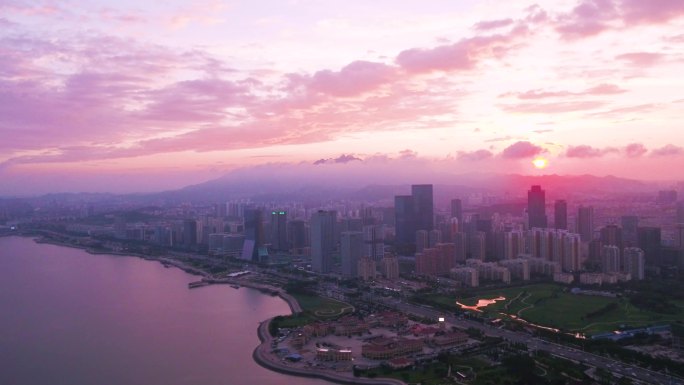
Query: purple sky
[[145, 96]]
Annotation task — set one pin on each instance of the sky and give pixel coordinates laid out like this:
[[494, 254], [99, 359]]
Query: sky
[[138, 96]]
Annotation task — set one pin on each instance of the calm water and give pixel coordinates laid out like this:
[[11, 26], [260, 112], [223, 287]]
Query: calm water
[[68, 317]]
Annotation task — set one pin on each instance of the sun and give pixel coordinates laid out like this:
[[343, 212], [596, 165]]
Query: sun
[[540, 163]]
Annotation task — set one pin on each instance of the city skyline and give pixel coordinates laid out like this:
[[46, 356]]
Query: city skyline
[[144, 97]]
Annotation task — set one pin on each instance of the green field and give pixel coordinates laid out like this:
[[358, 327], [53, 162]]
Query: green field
[[550, 305], [322, 307]]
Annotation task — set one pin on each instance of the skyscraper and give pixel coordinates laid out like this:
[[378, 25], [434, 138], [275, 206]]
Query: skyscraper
[[423, 206], [560, 215], [457, 211], [189, 232], [680, 212], [630, 226], [351, 250], [633, 262], [585, 223], [254, 234], [404, 220], [279, 230], [536, 207], [322, 240], [611, 235], [649, 241], [374, 241]]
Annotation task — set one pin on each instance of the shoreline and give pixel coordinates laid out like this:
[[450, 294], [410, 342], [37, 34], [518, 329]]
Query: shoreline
[[264, 358], [261, 354]]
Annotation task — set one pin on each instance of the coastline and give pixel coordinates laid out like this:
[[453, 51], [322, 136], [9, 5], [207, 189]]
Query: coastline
[[264, 358], [261, 354]]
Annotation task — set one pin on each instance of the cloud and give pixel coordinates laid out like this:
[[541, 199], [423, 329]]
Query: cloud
[[522, 149], [473, 156], [588, 18], [651, 11], [641, 59], [585, 151], [340, 159], [492, 24], [462, 55], [353, 79], [635, 150], [555, 107], [601, 89], [667, 150]]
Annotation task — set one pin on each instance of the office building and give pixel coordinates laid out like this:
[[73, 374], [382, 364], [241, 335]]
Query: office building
[[536, 207], [423, 206], [650, 240], [633, 262], [404, 220], [585, 223], [254, 234], [374, 241], [279, 231], [560, 215], [351, 250], [630, 226], [322, 230], [457, 210]]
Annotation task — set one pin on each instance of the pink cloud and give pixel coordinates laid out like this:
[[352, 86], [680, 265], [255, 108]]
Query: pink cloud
[[588, 18], [635, 150], [651, 11], [601, 89], [641, 59], [584, 151], [474, 156], [668, 150], [557, 107], [522, 149], [462, 55], [492, 24], [353, 79]]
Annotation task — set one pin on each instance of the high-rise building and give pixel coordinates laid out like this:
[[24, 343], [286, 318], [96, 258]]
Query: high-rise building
[[279, 230], [611, 235], [297, 235], [351, 250], [457, 210], [422, 240], [322, 240], [585, 223], [514, 244], [571, 253], [630, 225], [423, 206], [610, 259], [650, 239], [366, 268], [374, 241], [189, 232], [434, 237], [404, 219], [560, 215], [536, 207], [680, 212], [390, 267], [633, 262], [460, 247], [254, 233]]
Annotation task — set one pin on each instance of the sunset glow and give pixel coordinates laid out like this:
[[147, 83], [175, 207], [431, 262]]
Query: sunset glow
[[175, 93], [540, 163]]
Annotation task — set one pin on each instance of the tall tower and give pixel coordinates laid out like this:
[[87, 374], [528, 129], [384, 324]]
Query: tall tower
[[457, 211], [560, 215], [585, 223], [630, 228], [351, 251], [322, 240], [254, 233], [374, 241], [536, 207], [423, 206], [279, 230], [404, 220]]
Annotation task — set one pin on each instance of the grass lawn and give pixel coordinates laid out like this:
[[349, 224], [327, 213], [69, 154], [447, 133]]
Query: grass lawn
[[549, 305], [322, 307]]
